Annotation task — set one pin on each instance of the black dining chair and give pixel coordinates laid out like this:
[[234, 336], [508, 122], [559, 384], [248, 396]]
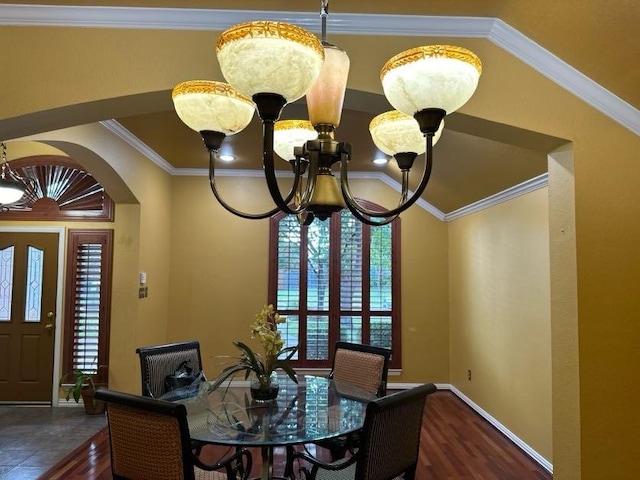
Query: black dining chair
[[365, 366], [149, 439], [158, 361], [389, 444]]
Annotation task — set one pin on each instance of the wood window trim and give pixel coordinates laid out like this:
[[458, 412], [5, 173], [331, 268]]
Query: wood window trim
[[75, 238], [396, 289], [47, 208]]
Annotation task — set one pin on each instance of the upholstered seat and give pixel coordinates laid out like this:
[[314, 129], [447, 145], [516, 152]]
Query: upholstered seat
[[389, 444], [150, 440]]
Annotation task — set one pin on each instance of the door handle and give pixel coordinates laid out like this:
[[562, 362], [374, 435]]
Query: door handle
[[51, 325]]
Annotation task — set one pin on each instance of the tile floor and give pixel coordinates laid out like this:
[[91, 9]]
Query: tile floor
[[33, 439]]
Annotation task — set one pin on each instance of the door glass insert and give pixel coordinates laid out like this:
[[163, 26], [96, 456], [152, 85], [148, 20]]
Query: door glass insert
[[33, 297], [6, 283]]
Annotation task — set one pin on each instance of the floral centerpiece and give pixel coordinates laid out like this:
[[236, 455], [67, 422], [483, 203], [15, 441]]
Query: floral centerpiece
[[263, 365]]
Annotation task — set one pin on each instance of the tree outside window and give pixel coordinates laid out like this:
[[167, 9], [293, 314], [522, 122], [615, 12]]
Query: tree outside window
[[336, 280]]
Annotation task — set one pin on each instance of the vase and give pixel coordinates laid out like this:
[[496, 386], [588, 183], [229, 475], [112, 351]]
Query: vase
[[264, 387]]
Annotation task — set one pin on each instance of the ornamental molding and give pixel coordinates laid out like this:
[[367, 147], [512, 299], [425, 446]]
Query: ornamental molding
[[492, 29]]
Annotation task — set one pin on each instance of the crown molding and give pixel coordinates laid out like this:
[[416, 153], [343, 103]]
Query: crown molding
[[523, 188], [117, 129], [492, 29]]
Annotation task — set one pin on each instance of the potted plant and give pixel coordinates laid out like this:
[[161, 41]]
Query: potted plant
[[79, 383], [264, 384]]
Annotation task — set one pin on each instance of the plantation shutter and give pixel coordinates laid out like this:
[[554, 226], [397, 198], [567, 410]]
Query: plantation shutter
[[336, 280], [88, 298]]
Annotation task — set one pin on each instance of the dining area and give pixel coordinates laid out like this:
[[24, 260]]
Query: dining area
[[339, 426]]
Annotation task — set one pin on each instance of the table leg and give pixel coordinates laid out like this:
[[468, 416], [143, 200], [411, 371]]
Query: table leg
[[266, 469]]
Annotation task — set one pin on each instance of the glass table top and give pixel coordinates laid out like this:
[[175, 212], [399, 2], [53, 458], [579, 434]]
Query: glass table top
[[316, 408]]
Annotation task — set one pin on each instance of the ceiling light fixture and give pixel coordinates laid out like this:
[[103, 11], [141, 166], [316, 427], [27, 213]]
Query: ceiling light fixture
[[423, 84], [12, 185]]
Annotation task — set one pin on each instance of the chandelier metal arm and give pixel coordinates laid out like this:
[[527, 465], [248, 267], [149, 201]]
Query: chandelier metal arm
[[305, 195], [212, 182], [404, 203], [368, 221]]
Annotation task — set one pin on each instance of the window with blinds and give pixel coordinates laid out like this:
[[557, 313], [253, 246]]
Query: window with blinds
[[335, 280], [88, 293]]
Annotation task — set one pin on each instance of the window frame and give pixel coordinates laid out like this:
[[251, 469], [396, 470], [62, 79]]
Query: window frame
[[334, 292], [77, 237]]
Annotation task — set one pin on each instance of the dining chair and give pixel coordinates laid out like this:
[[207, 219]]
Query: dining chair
[[365, 366], [149, 439], [158, 361], [389, 444]]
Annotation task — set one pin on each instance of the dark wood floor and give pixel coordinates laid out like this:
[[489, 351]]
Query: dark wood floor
[[456, 444]]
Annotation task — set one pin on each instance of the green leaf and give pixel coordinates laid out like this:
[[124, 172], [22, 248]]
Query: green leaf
[[286, 366], [225, 374], [256, 365]]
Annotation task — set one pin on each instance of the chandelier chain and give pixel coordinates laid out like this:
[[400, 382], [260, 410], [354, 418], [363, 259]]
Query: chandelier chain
[[324, 14]]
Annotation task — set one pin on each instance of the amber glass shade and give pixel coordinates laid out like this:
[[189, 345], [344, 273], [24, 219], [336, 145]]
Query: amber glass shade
[[212, 106], [289, 134], [270, 57], [395, 132], [434, 76], [326, 97]]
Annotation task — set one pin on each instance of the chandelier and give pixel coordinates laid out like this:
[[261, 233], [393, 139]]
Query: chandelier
[[269, 64], [12, 185]]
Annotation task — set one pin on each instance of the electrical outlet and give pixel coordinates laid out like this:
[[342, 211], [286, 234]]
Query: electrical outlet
[[469, 375]]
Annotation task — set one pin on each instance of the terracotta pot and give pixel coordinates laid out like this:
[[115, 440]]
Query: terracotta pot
[[91, 406]]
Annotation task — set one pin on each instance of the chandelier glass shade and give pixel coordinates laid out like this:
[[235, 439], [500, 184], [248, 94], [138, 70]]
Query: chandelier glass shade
[[326, 96], [289, 134], [10, 191], [433, 76], [269, 64], [396, 132], [195, 100], [12, 186], [270, 57]]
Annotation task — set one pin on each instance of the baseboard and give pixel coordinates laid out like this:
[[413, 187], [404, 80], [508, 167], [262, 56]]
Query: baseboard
[[539, 459]]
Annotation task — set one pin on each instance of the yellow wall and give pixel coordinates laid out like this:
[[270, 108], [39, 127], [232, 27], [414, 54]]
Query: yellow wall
[[500, 314], [607, 203], [219, 269], [142, 243], [125, 225]]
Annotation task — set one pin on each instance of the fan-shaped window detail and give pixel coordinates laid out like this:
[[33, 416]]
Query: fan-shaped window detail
[[58, 188]]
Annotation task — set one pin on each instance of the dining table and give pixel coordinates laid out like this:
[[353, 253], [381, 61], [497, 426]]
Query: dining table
[[316, 408]]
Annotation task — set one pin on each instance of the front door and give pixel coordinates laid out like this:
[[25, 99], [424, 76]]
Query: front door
[[28, 286]]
